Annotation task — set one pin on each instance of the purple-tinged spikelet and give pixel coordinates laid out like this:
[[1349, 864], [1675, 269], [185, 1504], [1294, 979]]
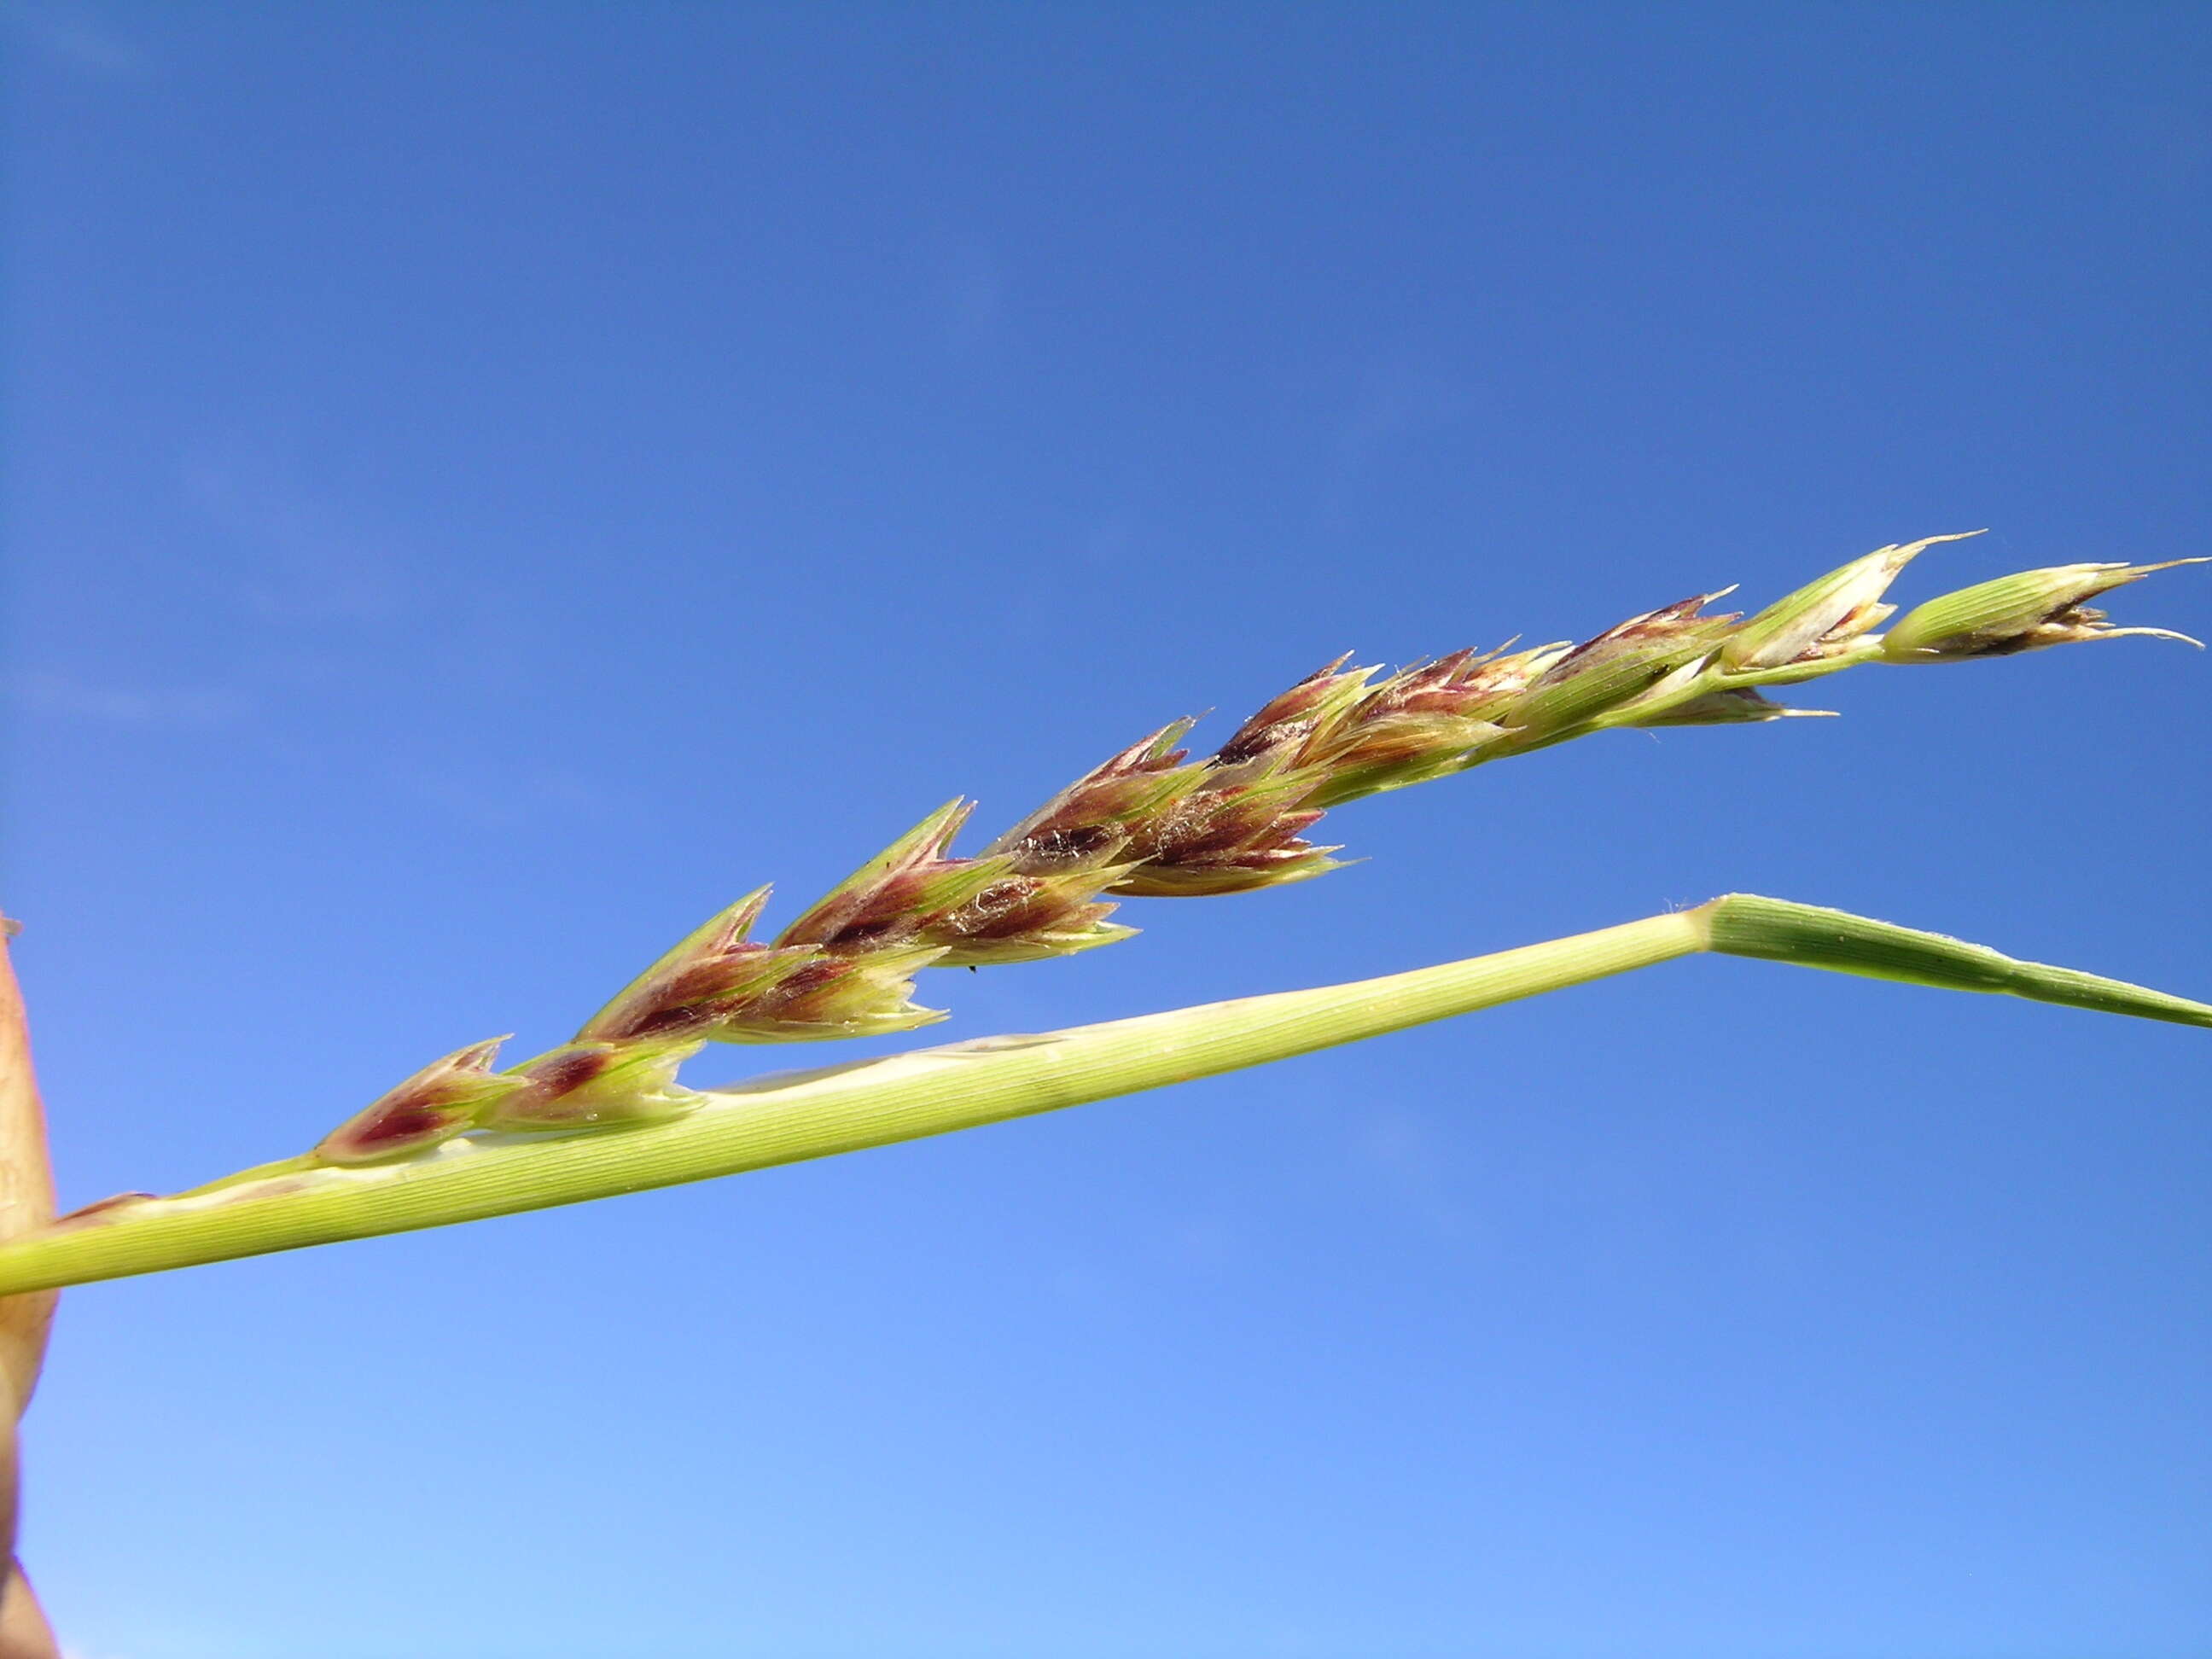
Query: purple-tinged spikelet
[[436, 1104]]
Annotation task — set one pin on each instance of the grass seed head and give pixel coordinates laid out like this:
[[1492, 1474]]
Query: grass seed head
[[1150, 822]]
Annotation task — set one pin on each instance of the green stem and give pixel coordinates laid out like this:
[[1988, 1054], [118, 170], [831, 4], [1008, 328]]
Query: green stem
[[874, 1102]]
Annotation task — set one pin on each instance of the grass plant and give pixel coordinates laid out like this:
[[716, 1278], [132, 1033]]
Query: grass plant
[[605, 1113]]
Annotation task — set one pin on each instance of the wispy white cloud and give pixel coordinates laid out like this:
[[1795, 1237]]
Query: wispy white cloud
[[70, 697], [300, 557], [77, 39]]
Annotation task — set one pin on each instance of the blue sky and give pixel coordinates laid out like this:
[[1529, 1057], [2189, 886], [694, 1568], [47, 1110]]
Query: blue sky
[[492, 483]]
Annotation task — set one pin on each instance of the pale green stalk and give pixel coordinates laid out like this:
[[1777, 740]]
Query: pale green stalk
[[286, 1205]]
